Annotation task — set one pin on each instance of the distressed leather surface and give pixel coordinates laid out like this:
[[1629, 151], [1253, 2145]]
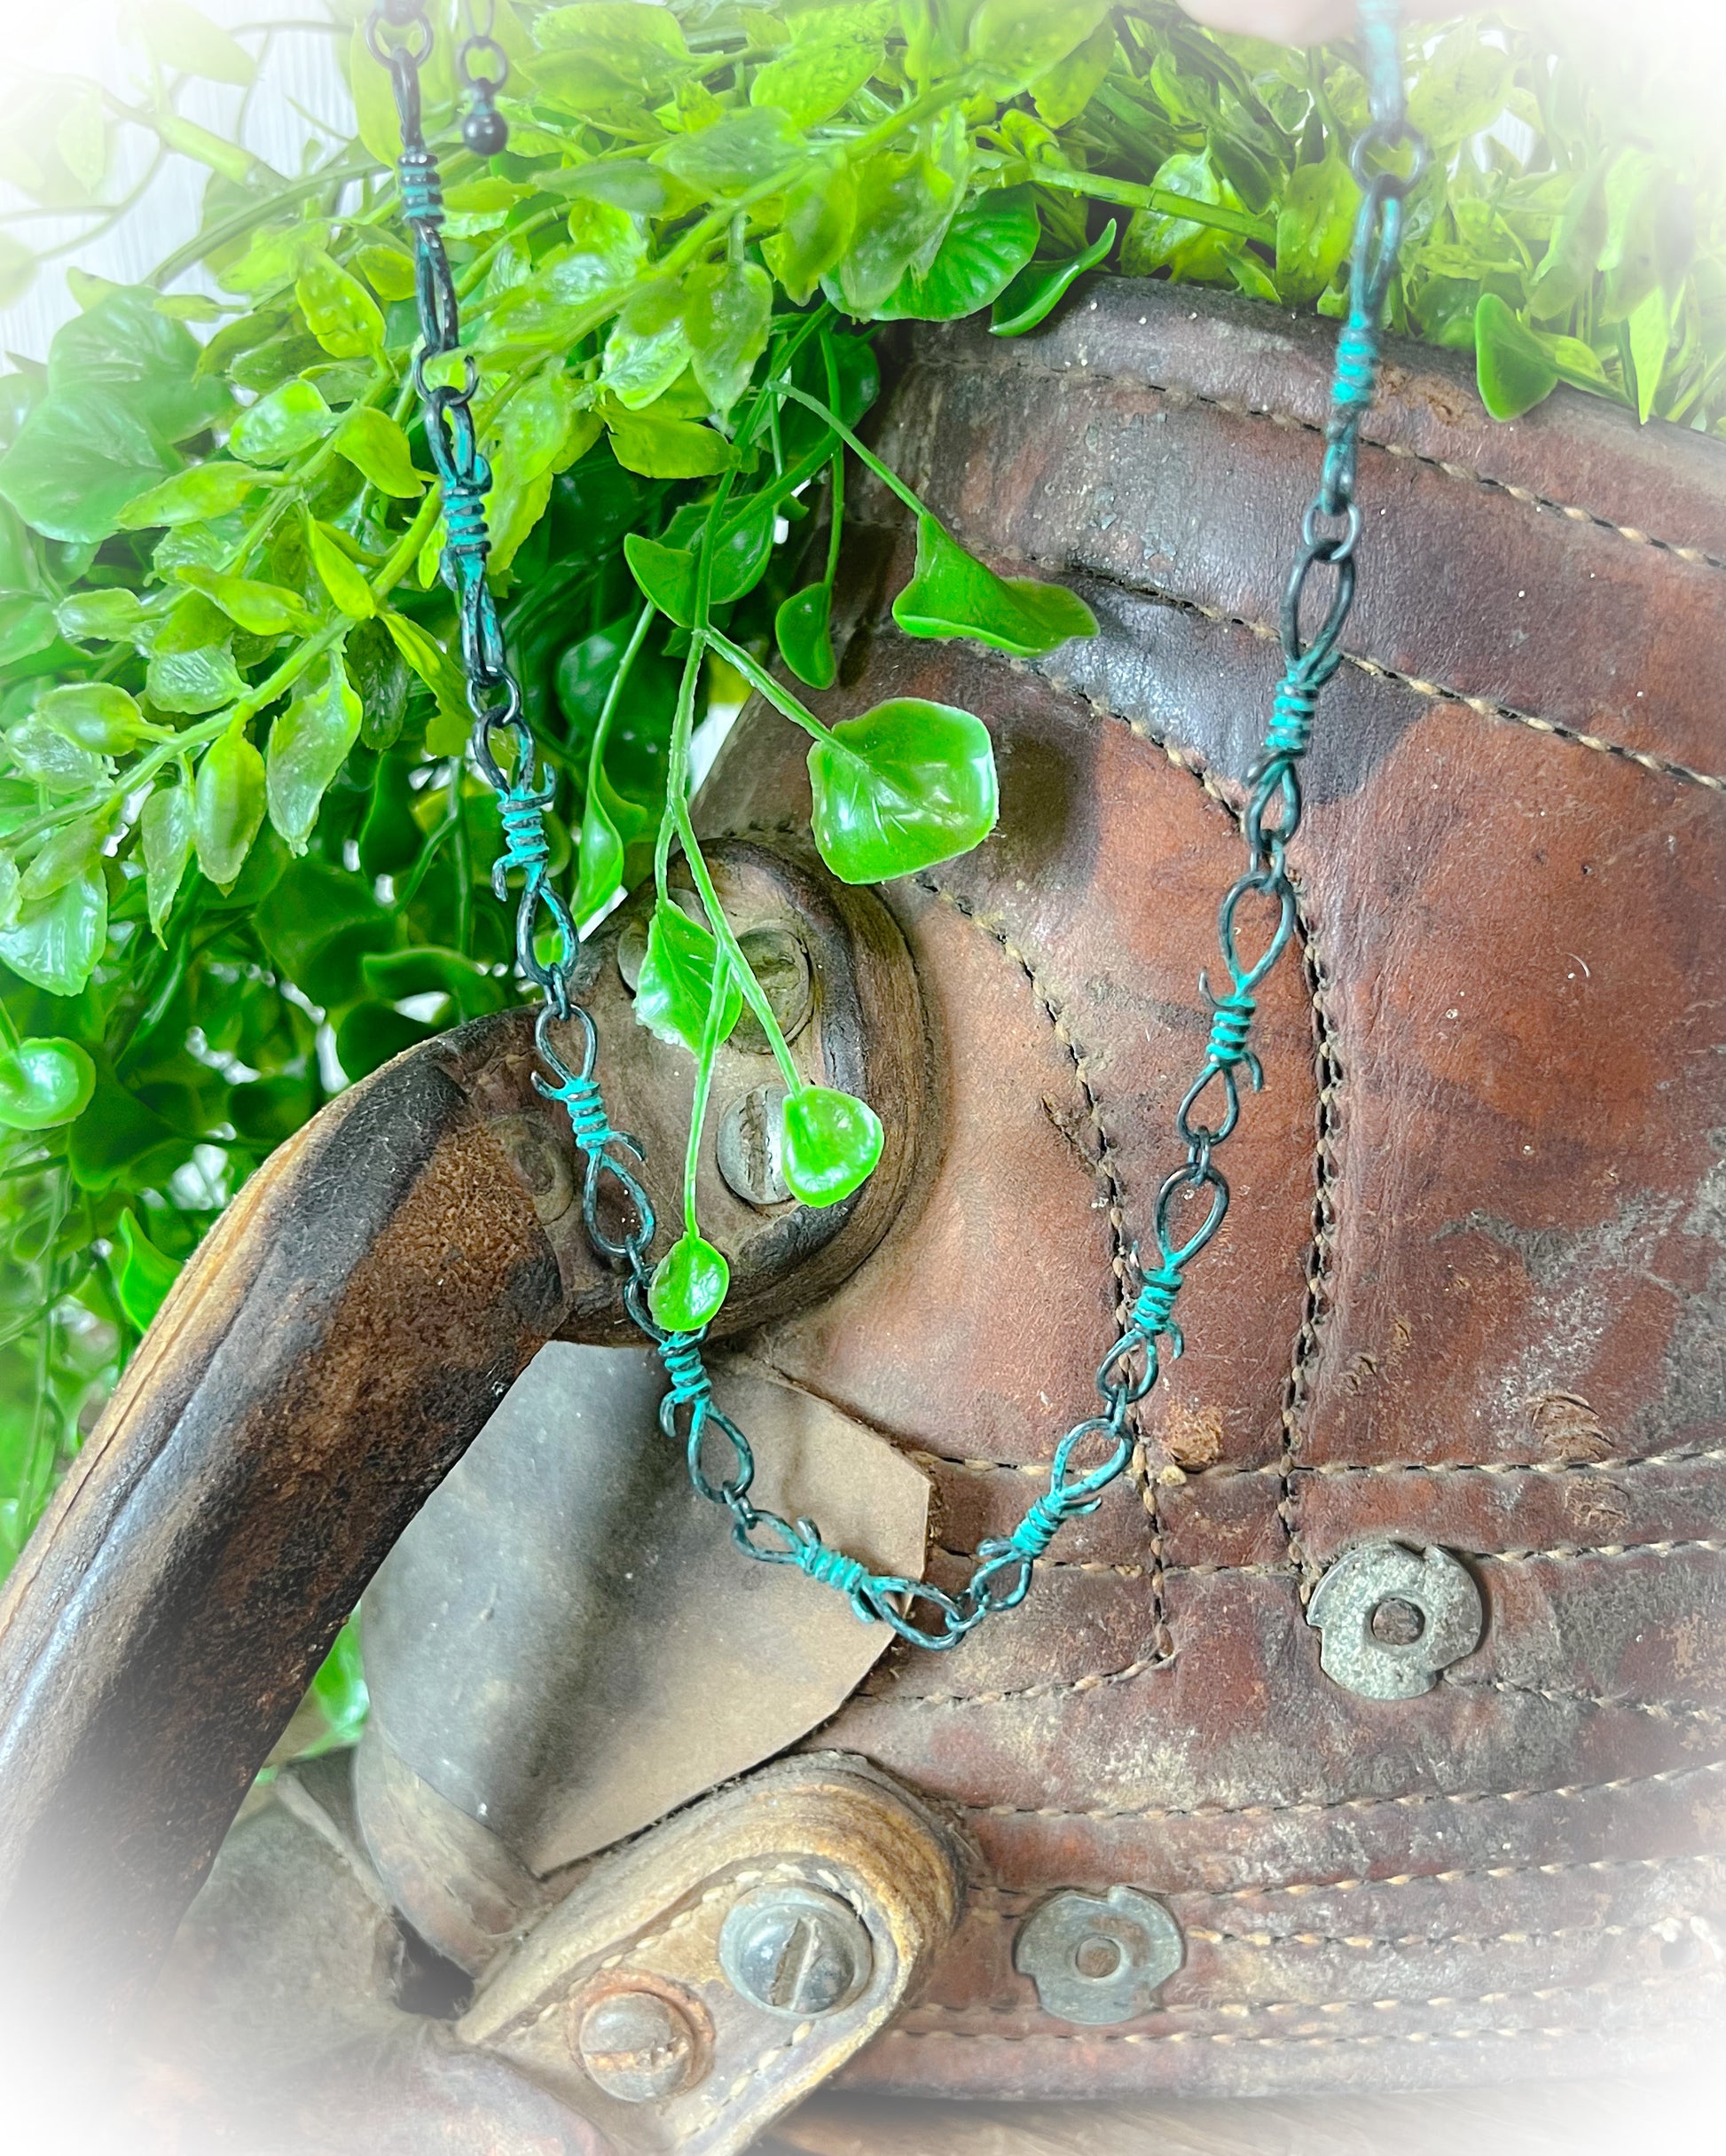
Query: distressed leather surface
[[1469, 1290]]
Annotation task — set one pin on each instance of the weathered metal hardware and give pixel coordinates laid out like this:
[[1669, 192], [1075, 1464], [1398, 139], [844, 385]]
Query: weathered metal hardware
[[747, 1146], [1097, 1959], [795, 1950], [1389, 1619]]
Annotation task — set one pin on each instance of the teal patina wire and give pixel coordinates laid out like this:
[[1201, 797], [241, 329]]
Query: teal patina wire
[[400, 36]]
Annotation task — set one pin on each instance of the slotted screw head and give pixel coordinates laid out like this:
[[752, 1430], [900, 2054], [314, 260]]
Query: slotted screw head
[[796, 1951], [749, 1147], [637, 2047]]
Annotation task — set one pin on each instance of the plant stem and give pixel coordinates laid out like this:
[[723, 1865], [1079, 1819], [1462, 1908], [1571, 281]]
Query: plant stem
[[1132, 195], [763, 683], [865, 457], [709, 1048]]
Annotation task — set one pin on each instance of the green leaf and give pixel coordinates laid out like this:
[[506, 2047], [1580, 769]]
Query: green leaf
[[121, 1140], [688, 1285], [647, 349], [43, 1083], [609, 245], [340, 312], [1511, 365], [103, 617], [907, 784], [1649, 334], [1315, 227], [666, 575], [309, 744], [676, 976], [1037, 289], [600, 864], [72, 851], [228, 804], [98, 716], [438, 671], [904, 203], [192, 682], [166, 831], [143, 1274], [27, 625], [727, 313], [429, 969], [125, 348], [55, 944], [80, 458], [1159, 238], [1578, 237], [658, 448], [1064, 92], [952, 594], [819, 73], [261, 609], [372, 1035], [377, 448], [283, 423], [743, 149], [609, 54], [819, 218], [803, 631], [10, 899], [987, 245], [202, 491], [1461, 88], [830, 1143], [41, 752], [341, 577], [1016, 41], [189, 42], [387, 270]]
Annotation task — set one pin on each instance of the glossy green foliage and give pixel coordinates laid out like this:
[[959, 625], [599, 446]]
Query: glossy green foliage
[[831, 1143], [43, 1083], [688, 1285], [952, 594], [671, 994], [906, 784]]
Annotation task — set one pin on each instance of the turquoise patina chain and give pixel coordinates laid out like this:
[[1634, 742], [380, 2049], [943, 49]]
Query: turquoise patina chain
[[1193, 1200]]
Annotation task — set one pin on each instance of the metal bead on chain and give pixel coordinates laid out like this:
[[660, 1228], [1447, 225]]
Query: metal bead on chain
[[399, 35]]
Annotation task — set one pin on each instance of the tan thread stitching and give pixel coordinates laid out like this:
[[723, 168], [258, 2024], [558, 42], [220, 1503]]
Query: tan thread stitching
[[995, 930], [1242, 2010], [1438, 1471], [1361, 1942], [1060, 1687], [1327, 1073], [1674, 1711], [1431, 692], [1570, 1792], [1235, 408]]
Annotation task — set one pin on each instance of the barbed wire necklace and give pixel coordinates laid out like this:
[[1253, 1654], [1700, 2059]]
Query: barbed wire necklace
[[1386, 160]]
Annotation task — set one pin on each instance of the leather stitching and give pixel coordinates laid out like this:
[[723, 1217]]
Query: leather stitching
[[1696, 557], [1360, 1943], [1327, 1073], [1108, 1180], [1379, 670], [1573, 1793]]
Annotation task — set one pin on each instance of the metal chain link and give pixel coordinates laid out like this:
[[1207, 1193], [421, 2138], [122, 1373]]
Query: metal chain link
[[1193, 1201]]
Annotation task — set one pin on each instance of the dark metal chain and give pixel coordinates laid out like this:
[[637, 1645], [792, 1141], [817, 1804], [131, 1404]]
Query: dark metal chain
[[1193, 1201]]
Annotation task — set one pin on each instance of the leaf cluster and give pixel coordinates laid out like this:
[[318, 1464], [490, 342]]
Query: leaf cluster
[[240, 861]]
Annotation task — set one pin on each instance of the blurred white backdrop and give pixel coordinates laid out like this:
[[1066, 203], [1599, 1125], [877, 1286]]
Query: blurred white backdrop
[[299, 97]]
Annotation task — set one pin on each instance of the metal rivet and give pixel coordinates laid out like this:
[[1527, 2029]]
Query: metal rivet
[[638, 2046], [747, 1146], [1098, 1959], [1389, 1619], [796, 1951], [781, 964]]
